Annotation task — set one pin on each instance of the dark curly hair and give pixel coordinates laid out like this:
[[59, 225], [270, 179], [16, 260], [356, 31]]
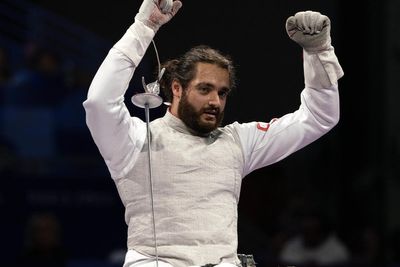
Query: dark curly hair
[[183, 69]]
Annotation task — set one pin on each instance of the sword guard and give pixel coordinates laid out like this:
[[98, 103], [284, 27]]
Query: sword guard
[[149, 99]]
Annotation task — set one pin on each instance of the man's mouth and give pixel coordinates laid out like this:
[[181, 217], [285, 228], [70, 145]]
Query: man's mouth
[[211, 113]]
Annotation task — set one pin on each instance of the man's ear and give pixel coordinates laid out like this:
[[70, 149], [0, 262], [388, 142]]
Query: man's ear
[[176, 89]]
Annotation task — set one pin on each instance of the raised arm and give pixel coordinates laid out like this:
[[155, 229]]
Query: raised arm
[[267, 143], [118, 136]]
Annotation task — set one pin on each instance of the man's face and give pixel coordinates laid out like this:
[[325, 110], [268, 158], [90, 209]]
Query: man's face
[[202, 104]]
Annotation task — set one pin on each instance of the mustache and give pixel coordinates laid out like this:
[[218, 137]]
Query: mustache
[[212, 110]]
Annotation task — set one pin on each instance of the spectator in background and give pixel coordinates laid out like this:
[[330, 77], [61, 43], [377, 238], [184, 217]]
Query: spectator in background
[[315, 244], [40, 82], [367, 247], [43, 246], [30, 99]]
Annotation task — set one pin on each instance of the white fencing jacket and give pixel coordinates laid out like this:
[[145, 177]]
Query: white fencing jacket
[[196, 180]]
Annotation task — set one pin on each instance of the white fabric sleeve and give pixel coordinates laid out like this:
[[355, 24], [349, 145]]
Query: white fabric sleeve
[[118, 136], [322, 69], [266, 143]]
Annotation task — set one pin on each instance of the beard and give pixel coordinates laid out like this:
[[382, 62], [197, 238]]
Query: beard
[[191, 118]]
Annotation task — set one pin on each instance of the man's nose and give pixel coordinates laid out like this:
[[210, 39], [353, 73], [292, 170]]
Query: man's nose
[[214, 99]]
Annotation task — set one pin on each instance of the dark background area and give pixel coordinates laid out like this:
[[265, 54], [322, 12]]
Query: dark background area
[[50, 165]]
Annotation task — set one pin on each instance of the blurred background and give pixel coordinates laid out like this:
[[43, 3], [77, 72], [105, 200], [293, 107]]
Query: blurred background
[[334, 203]]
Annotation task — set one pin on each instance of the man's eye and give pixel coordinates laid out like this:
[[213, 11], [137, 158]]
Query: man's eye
[[204, 89], [223, 93]]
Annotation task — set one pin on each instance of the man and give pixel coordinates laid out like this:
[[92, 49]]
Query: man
[[197, 166]]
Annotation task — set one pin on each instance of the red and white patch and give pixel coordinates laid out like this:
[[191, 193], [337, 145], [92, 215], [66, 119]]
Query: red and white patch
[[263, 126]]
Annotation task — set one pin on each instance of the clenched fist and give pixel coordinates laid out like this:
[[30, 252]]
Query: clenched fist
[[310, 29], [155, 13]]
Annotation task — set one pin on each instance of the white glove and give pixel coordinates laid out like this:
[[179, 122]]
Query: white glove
[[155, 13], [310, 29]]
